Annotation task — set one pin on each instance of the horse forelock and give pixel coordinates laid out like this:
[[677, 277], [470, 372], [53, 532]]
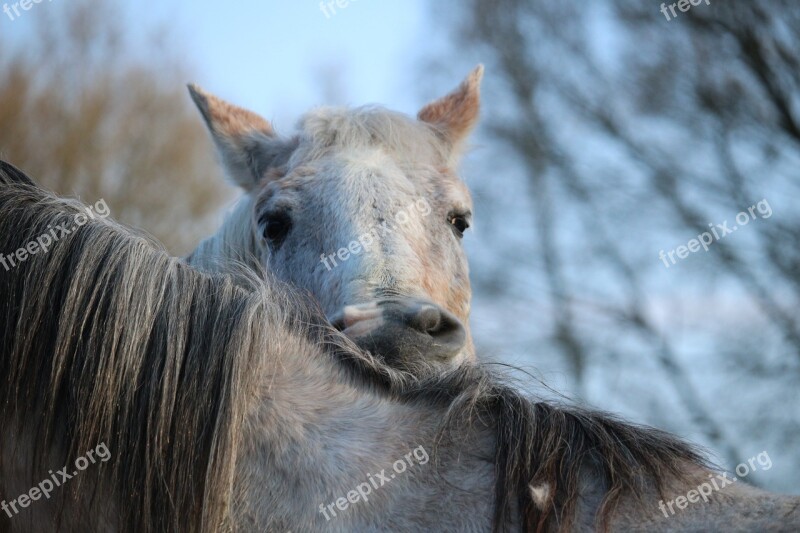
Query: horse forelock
[[345, 129]]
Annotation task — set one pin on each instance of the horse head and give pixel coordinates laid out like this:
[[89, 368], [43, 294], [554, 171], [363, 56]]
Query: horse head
[[363, 209]]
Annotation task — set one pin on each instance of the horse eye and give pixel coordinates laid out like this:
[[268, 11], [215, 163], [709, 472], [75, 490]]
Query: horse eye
[[460, 223], [275, 226]]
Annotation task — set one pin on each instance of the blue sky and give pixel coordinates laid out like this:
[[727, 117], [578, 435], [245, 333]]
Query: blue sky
[[271, 56], [267, 56]]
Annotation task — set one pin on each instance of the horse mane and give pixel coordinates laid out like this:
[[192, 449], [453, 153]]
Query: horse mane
[[560, 450], [133, 348]]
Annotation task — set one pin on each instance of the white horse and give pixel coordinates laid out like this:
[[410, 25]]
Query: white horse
[[363, 209], [223, 403]]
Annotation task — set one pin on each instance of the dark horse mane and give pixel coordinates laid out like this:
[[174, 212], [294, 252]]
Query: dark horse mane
[[106, 338], [98, 345]]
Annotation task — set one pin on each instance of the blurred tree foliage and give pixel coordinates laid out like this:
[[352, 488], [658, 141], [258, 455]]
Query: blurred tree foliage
[[87, 114], [621, 134]]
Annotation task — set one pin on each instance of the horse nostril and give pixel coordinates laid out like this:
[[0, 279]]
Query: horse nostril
[[439, 324], [428, 320]]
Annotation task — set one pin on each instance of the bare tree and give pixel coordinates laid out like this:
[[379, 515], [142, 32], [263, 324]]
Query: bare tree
[[632, 135], [82, 113]]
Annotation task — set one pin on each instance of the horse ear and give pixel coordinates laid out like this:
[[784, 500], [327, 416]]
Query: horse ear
[[246, 142], [11, 175], [457, 113]]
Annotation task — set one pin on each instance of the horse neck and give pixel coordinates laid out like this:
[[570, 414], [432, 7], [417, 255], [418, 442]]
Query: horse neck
[[316, 430], [233, 243]]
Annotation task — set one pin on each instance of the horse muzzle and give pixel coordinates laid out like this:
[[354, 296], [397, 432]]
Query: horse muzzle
[[403, 330]]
